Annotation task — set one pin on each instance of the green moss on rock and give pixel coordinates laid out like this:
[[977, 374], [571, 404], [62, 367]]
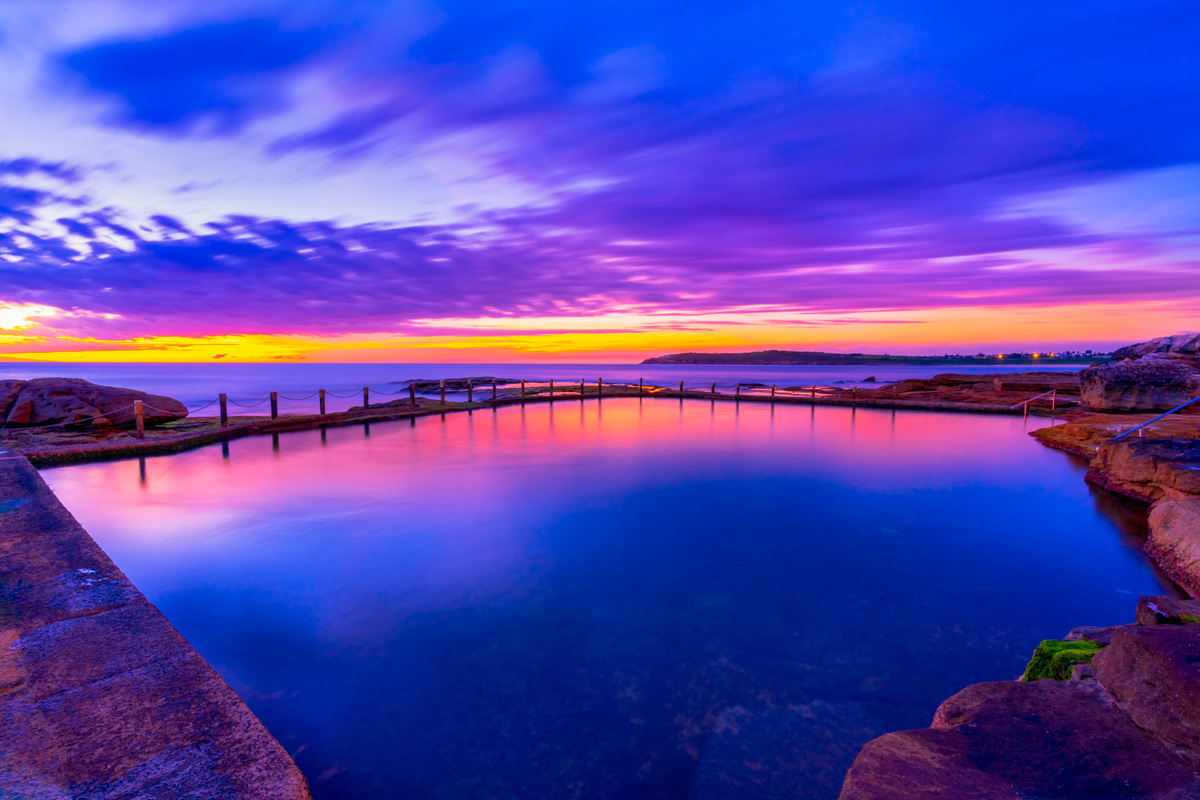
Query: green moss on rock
[[1054, 658]]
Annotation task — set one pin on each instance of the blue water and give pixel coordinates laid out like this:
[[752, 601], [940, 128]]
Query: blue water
[[198, 385], [634, 599]]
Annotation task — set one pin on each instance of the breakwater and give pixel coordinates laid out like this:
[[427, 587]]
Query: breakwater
[[100, 696]]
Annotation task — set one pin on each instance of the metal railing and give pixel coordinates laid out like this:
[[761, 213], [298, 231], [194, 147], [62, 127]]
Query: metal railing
[[1052, 394], [1156, 419]]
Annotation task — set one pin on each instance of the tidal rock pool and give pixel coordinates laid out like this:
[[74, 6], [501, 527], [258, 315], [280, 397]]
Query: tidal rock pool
[[633, 599]]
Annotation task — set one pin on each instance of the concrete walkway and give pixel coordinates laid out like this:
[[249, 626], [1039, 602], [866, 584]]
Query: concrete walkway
[[99, 696]]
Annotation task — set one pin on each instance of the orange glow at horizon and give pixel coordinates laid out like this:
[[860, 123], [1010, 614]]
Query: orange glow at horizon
[[628, 335]]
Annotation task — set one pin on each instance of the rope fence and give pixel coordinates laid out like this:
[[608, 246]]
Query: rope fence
[[497, 391]]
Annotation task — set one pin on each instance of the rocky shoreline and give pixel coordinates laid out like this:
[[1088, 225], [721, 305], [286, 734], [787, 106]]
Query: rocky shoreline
[[1125, 725], [1110, 712]]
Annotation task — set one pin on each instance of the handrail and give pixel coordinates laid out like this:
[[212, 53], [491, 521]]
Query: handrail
[[1030, 400], [1156, 419]]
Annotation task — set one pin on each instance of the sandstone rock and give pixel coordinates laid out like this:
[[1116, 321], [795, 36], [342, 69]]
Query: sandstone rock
[[1154, 674], [1163, 610], [1092, 633], [1186, 343], [1174, 541], [1154, 382], [1046, 739], [1147, 469], [9, 390], [44, 401], [1084, 432]]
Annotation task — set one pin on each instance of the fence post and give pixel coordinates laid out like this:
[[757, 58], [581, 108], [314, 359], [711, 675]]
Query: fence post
[[599, 387], [737, 392], [366, 397], [139, 412], [814, 392], [552, 388], [224, 410], [713, 389], [493, 389], [641, 391], [581, 390], [1053, 398], [772, 390], [442, 387], [522, 388], [274, 405], [470, 390], [321, 401], [681, 387], [412, 393], [854, 393]]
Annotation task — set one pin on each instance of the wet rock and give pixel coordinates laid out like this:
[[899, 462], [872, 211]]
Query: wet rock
[[1154, 674], [1092, 633], [1163, 610], [1148, 469], [1174, 541], [1154, 382], [1084, 432], [1046, 739], [45, 401]]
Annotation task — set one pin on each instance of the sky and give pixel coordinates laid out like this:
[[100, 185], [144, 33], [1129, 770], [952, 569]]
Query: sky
[[525, 180]]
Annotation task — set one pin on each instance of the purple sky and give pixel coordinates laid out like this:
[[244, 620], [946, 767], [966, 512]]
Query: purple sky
[[624, 177]]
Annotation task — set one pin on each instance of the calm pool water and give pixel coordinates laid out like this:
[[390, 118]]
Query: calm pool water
[[639, 599]]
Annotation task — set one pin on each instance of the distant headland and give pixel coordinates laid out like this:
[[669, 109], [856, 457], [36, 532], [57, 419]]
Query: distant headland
[[814, 358]]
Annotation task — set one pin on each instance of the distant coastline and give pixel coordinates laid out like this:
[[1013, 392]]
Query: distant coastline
[[814, 358]]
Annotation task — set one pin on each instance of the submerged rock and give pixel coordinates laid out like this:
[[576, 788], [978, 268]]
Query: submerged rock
[[46, 401]]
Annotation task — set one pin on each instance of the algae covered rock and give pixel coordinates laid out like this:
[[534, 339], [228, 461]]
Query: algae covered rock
[[1054, 658]]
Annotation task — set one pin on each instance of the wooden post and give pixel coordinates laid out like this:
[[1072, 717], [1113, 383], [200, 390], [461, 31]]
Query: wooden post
[[224, 410], [522, 388], [641, 390], [493, 389], [581, 389], [366, 397], [814, 392], [321, 401], [412, 393], [681, 387], [552, 388], [1053, 398], [854, 393], [139, 412], [737, 392], [599, 387], [442, 386], [470, 391], [274, 405], [713, 389], [772, 390]]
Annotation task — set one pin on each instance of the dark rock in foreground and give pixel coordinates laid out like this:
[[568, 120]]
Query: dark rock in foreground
[[1128, 726], [47, 401]]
